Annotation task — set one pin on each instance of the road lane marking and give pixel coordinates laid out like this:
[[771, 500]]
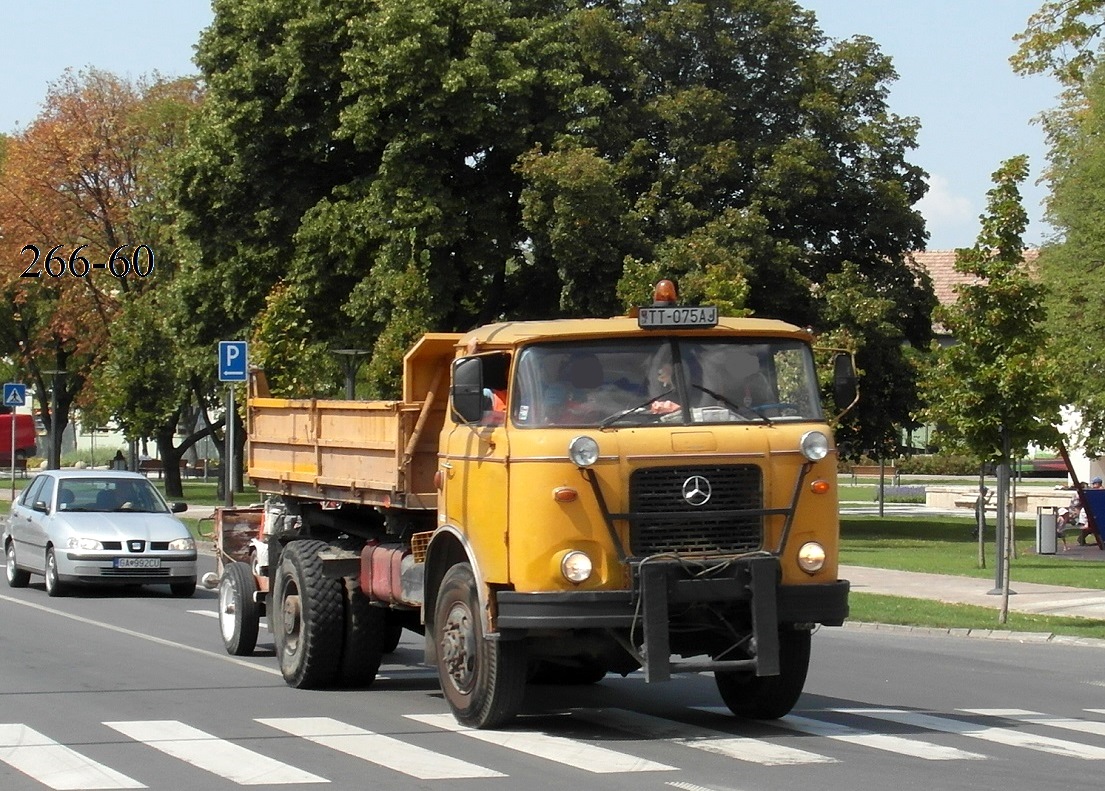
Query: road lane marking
[[217, 756], [215, 614], [141, 636], [55, 765], [990, 733], [741, 748], [916, 748], [378, 749], [571, 752], [1067, 723]]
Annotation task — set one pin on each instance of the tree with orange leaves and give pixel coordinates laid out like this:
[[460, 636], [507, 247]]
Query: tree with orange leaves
[[80, 187]]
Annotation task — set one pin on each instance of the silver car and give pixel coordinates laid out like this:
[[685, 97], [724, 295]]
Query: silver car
[[98, 526]]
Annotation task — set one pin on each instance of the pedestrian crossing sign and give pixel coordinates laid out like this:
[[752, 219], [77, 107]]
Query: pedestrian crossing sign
[[15, 394]]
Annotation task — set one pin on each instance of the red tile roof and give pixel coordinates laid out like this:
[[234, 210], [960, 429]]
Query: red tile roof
[[940, 264]]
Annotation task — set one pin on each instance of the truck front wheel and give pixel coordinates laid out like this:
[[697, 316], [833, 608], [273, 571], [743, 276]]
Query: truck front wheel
[[308, 617], [484, 681], [769, 697]]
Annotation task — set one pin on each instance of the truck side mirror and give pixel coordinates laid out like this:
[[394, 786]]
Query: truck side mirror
[[466, 392], [845, 388]]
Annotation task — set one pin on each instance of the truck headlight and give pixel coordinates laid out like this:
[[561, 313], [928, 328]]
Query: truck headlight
[[576, 566], [583, 451], [814, 445], [811, 557]]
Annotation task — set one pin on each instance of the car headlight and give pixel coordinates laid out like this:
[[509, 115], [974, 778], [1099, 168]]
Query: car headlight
[[583, 451], [182, 544], [576, 566], [814, 445], [811, 557], [83, 543]]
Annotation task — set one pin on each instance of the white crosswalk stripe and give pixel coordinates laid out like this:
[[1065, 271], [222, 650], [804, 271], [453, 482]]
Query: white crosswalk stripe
[[55, 765], [217, 756], [916, 748], [380, 750], [990, 733], [572, 752], [1067, 723], [741, 748]]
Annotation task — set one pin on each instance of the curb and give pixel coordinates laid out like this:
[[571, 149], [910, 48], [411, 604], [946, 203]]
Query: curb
[[990, 634]]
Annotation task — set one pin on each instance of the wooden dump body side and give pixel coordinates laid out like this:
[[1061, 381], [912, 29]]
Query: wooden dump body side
[[367, 452]]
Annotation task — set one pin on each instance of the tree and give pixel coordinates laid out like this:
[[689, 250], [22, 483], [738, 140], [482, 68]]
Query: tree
[[996, 389], [434, 164], [1060, 38]]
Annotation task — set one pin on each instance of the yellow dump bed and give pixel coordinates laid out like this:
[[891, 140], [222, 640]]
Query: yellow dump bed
[[369, 452]]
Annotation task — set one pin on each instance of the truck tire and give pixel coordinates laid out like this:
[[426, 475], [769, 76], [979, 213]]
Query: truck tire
[[239, 612], [364, 636], [307, 619], [393, 632], [769, 697], [484, 681]]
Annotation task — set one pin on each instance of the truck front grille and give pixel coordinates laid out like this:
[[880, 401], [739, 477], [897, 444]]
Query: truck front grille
[[668, 514]]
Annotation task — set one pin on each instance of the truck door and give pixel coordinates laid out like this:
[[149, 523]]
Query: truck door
[[476, 487]]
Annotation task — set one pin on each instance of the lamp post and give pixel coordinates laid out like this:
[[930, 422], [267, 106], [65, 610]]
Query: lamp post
[[351, 360], [53, 462]]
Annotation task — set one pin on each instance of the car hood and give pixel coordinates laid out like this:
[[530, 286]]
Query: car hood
[[122, 525]]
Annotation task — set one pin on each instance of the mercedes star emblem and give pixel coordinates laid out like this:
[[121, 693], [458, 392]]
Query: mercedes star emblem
[[696, 490]]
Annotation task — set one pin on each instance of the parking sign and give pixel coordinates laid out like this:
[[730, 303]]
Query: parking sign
[[232, 361]]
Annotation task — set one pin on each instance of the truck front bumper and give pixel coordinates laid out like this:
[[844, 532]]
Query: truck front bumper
[[662, 585]]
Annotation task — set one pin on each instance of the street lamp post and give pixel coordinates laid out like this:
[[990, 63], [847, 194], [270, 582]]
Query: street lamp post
[[351, 360]]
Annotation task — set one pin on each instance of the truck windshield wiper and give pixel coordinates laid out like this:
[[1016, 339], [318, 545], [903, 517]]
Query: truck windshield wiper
[[619, 415], [738, 408]]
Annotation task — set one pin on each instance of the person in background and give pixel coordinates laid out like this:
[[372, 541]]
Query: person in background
[[1084, 530], [119, 462]]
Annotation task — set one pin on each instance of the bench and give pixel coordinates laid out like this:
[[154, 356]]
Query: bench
[[872, 471], [146, 466], [20, 466]]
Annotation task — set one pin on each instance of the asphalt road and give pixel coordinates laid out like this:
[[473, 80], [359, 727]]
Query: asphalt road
[[127, 690]]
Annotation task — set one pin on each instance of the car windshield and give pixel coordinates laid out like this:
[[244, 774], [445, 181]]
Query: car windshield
[[109, 495], [663, 380]]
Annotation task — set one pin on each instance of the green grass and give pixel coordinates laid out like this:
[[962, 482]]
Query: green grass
[[877, 608], [943, 545]]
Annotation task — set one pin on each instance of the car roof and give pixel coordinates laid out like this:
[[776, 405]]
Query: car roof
[[68, 473]]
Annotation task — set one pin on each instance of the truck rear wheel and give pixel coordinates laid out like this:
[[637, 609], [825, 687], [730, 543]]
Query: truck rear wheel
[[484, 681], [365, 636], [307, 619], [769, 697], [239, 612]]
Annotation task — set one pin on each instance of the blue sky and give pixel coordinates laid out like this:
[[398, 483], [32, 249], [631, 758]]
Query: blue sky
[[951, 56]]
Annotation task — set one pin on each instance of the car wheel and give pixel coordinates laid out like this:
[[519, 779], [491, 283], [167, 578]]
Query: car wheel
[[183, 590], [484, 681], [307, 618], [769, 697], [17, 577], [54, 586], [239, 612]]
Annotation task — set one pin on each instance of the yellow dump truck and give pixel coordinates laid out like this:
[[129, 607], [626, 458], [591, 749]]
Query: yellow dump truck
[[549, 502]]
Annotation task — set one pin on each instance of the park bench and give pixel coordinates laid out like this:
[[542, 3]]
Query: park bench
[[872, 471], [147, 466]]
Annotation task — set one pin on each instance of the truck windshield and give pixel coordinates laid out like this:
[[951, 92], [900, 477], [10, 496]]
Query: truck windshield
[[663, 380]]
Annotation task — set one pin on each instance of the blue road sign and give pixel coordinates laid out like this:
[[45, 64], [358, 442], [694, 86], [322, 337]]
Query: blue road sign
[[15, 394], [232, 361]]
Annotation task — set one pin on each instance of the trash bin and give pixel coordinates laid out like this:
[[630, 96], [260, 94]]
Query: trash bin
[[1046, 518]]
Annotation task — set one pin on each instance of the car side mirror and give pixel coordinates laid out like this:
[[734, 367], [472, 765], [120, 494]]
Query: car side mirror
[[177, 508], [40, 505]]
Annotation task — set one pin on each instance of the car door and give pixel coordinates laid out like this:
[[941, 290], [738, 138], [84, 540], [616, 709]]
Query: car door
[[23, 526]]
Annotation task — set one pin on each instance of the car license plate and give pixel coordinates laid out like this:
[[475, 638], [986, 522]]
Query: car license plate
[[137, 563]]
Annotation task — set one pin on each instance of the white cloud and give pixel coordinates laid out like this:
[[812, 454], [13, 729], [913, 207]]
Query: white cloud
[[951, 219]]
